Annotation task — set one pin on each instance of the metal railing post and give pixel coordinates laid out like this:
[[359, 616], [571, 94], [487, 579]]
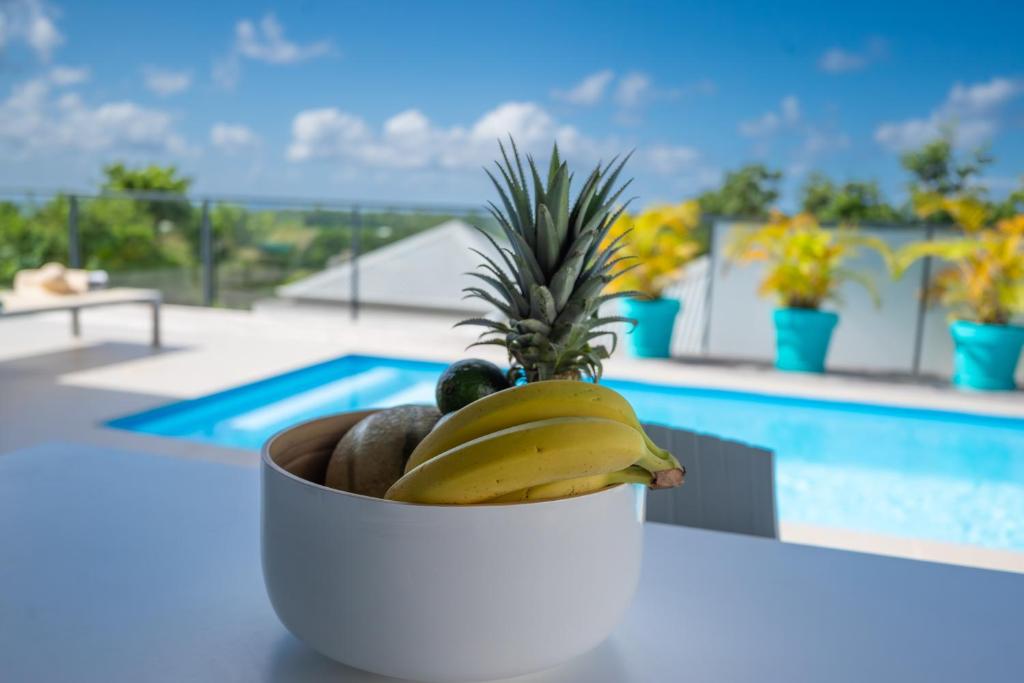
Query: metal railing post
[[74, 245], [705, 341], [922, 305], [206, 255], [357, 246]]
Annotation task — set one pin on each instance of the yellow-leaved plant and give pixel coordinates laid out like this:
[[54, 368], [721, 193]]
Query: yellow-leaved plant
[[660, 244], [804, 261], [984, 282]]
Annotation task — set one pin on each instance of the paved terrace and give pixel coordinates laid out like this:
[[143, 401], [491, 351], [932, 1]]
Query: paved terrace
[[56, 388]]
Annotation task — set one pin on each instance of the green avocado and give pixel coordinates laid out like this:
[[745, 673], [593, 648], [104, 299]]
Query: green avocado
[[465, 381]]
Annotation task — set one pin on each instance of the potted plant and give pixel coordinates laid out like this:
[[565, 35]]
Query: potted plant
[[375, 523], [804, 270], [661, 242], [983, 287]]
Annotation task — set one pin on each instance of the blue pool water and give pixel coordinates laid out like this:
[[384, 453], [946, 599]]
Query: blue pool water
[[914, 473]]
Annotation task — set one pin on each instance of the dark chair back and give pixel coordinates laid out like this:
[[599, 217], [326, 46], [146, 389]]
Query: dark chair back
[[730, 486]]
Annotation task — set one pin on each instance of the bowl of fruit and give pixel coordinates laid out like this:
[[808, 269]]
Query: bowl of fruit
[[500, 532]]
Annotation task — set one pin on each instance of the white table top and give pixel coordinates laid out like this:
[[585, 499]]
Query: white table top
[[132, 567]]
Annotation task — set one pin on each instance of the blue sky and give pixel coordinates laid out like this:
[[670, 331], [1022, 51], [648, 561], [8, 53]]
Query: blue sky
[[404, 101]]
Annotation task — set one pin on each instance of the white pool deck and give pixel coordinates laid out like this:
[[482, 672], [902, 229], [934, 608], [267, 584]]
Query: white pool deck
[[55, 387]]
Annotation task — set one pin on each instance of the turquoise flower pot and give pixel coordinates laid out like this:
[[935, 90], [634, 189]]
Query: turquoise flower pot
[[802, 336], [986, 355], [652, 336]]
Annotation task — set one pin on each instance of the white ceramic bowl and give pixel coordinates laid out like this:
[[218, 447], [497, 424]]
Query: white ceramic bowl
[[440, 593]]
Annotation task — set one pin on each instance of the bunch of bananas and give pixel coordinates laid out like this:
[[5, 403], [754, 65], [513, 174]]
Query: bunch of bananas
[[537, 441]]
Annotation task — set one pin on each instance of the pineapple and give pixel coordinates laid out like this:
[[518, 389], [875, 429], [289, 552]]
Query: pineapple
[[555, 270]]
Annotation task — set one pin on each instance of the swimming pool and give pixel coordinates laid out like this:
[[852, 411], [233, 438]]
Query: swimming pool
[[914, 473]]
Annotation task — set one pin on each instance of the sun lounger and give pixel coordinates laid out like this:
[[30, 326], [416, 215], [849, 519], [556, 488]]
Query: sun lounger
[[15, 304]]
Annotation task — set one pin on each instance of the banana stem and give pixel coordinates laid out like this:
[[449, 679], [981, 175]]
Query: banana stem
[[667, 472], [667, 479]]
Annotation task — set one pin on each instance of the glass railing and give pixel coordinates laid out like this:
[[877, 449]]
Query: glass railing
[[33, 231], [236, 252], [259, 249], [152, 243], [214, 252]]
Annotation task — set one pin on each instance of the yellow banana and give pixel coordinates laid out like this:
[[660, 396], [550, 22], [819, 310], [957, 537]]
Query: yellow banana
[[522, 456], [529, 403], [577, 486]]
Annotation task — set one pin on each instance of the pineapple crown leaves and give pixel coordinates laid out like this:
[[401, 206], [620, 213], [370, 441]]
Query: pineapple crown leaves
[[549, 282]]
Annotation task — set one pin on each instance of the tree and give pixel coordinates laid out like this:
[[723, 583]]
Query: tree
[[936, 169], [125, 234], [748, 192], [155, 179], [854, 201], [152, 178], [817, 195], [27, 241], [1011, 206]]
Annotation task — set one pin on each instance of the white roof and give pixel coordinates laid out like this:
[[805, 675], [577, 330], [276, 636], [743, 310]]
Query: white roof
[[426, 270]]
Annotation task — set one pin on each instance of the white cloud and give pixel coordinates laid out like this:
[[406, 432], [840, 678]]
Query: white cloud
[[410, 141], [410, 124], [32, 22], [837, 60], [69, 75], [817, 142], [587, 92], [634, 89], [670, 159], [971, 110], [524, 121], [327, 133], [767, 123], [771, 122], [684, 166], [35, 119], [982, 98], [801, 140], [165, 82], [226, 71], [233, 137], [265, 42], [115, 124], [790, 110], [907, 134]]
